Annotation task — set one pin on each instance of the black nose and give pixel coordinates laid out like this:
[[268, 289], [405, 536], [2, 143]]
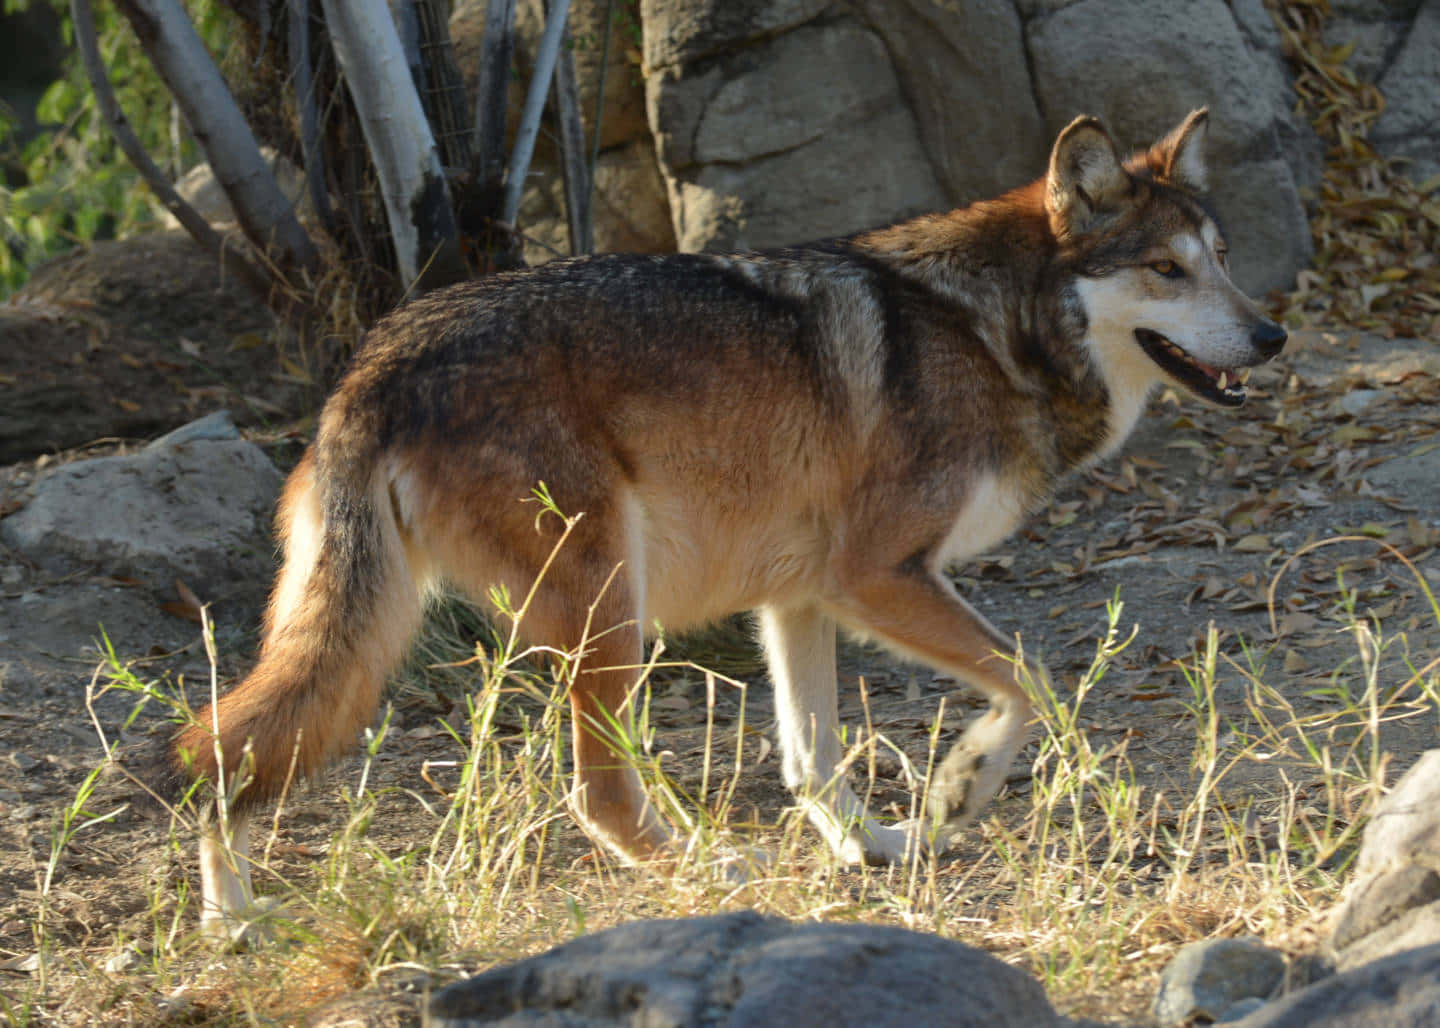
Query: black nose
[[1269, 338]]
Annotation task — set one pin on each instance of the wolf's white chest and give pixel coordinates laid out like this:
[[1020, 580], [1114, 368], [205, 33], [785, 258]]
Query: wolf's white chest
[[992, 511]]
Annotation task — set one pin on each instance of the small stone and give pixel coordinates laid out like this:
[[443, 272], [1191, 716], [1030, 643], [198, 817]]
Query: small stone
[[1207, 978], [118, 963], [1357, 401]]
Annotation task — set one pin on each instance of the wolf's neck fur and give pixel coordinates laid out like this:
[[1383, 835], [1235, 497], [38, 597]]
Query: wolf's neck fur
[[995, 260]]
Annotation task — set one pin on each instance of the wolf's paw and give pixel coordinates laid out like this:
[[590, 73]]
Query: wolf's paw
[[877, 845], [953, 796], [247, 928]]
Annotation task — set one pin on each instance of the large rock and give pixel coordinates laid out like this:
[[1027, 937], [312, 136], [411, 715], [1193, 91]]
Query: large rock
[[1141, 68], [945, 52], [194, 505], [742, 969], [1402, 991], [1409, 127], [1394, 903], [1301, 148], [790, 138]]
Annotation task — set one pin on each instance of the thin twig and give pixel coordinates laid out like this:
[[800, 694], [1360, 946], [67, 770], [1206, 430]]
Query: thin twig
[[545, 57]]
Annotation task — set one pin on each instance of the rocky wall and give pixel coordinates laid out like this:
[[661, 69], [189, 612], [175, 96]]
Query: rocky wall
[[770, 122]]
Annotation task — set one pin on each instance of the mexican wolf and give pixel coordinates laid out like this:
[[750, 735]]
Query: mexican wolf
[[813, 434]]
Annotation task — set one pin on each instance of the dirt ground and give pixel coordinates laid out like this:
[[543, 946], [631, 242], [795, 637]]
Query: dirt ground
[[1191, 526]]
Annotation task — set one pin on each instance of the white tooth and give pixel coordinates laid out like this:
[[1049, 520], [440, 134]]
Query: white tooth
[[1244, 375], [1222, 382]]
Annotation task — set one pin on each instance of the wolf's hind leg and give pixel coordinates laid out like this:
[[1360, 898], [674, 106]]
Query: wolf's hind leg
[[608, 798], [340, 617], [800, 647], [225, 890]]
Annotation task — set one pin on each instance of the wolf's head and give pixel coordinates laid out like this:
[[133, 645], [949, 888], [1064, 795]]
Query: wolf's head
[[1150, 265]]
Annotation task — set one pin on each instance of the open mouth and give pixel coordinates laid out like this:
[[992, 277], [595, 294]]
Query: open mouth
[[1225, 386]]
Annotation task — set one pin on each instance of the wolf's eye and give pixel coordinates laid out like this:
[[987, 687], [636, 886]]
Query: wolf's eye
[[1167, 268], [1222, 254]]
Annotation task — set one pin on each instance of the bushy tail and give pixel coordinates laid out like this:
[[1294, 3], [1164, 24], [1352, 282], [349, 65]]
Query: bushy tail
[[344, 608]]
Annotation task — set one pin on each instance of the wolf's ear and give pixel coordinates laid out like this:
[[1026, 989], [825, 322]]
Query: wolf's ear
[[1179, 158], [1086, 182]]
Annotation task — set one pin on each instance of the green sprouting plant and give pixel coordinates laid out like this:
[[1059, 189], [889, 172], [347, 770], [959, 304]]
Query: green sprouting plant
[[69, 183]]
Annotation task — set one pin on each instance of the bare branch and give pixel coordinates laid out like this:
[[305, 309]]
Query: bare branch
[[524, 149], [312, 153], [572, 153]]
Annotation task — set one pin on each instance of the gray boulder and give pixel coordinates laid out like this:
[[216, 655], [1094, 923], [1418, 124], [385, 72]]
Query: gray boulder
[[195, 504], [1394, 903], [746, 970], [1207, 979], [1409, 127], [1402, 991], [1140, 68], [1385, 942], [789, 138]]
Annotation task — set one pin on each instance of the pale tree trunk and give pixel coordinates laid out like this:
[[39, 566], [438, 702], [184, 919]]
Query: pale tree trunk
[[417, 199], [195, 224], [180, 58]]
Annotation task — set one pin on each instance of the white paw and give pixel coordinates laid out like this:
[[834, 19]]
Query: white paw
[[245, 928], [876, 844]]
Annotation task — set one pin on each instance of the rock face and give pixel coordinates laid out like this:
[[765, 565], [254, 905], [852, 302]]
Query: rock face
[[1179, 57], [772, 123], [195, 504], [794, 137], [746, 970]]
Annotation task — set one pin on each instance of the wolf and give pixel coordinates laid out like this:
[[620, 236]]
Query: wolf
[[813, 434]]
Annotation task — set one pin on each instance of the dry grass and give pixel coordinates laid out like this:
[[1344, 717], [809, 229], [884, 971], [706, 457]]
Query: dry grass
[[1091, 881]]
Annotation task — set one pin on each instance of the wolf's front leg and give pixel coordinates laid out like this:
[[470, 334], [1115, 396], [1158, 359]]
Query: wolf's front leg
[[919, 614], [800, 645]]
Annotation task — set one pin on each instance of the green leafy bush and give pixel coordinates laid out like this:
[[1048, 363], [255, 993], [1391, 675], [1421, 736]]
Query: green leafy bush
[[70, 183]]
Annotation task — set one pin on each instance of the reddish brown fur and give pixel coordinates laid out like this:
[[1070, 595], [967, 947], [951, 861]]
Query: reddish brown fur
[[811, 432]]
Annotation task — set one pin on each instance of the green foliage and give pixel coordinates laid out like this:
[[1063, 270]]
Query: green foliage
[[70, 183]]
